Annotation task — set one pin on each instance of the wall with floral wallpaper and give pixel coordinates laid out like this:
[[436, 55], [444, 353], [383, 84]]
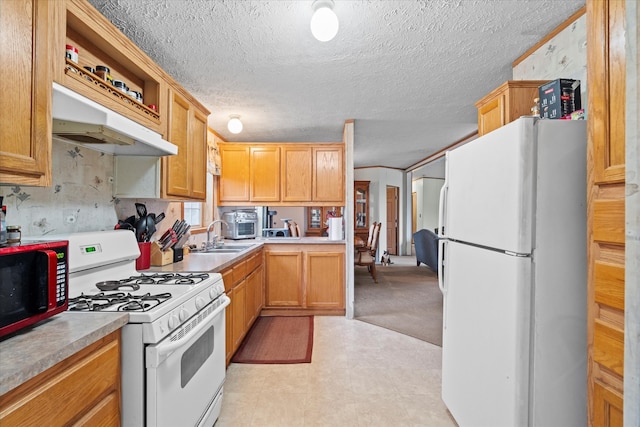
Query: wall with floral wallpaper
[[80, 198], [562, 57]]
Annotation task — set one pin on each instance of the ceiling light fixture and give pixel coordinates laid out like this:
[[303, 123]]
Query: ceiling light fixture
[[234, 125], [324, 22]]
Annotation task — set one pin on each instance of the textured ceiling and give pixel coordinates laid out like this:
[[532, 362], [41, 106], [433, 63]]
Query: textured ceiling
[[408, 72]]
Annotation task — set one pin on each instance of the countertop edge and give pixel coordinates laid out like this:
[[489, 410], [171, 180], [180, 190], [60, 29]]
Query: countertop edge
[[34, 350]]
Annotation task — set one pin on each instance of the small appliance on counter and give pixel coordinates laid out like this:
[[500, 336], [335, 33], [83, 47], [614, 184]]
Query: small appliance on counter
[[241, 224], [33, 283]]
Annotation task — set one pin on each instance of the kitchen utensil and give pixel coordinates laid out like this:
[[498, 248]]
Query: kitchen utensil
[[150, 228], [159, 218], [141, 209], [141, 228]]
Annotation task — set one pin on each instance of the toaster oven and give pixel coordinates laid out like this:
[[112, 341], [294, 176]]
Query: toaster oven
[[241, 224]]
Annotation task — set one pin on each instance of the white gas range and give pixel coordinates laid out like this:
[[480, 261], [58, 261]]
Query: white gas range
[[173, 348]]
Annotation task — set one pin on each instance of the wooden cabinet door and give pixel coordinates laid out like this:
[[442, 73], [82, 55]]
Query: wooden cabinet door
[[325, 279], [238, 302], [264, 174], [328, 174], [233, 185], [27, 32], [177, 179], [198, 156], [295, 173], [254, 296], [491, 115], [606, 74], [228, 328], [283, 287], [77, 390]]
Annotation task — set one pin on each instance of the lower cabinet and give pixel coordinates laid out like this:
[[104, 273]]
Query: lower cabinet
[[83, 389], [305, 277], [243, 282]]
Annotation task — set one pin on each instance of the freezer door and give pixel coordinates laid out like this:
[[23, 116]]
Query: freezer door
[[485, 350], [490, 189]]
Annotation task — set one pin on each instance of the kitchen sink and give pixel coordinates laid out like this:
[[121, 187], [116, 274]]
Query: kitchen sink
[[230, 249]]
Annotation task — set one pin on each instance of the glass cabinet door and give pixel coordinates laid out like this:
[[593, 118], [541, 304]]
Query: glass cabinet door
[[361, 192]]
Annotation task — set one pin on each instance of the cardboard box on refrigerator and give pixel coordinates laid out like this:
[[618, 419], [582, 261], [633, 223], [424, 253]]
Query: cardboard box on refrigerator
[[559, 98]]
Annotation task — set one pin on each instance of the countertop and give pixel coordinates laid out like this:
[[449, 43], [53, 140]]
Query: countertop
[[216, 262], [35, 349]]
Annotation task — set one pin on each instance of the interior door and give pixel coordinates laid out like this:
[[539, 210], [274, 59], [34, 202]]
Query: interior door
[[392, 220]]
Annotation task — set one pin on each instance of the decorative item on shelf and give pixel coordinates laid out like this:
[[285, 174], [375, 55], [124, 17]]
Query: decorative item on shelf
[[234, 125], [71, 53], [324, 22], [535, 110]]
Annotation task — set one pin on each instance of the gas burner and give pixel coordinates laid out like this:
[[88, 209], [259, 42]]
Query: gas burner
[[166, 278], [118, 301], [116, 285]]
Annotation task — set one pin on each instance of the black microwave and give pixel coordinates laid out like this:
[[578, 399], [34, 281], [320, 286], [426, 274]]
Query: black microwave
[[33, 283]]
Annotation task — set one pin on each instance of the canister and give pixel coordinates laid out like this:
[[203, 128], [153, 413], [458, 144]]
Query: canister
[[14, 234], [72, 53], [103, 71]]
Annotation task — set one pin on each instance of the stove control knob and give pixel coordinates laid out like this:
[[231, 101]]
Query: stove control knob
[[200, 302], [184, 314], [213, 293], [173, 321]]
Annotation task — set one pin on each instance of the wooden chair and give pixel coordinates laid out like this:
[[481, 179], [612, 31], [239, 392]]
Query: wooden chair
[[294, 229], [366, 256]]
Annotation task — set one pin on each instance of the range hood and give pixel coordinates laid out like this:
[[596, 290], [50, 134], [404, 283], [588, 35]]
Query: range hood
[[80, 120]]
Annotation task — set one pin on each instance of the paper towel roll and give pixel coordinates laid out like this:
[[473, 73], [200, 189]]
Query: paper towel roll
[[335, 228]]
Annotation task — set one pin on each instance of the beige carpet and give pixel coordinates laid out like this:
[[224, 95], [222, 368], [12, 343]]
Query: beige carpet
[[406, 299]]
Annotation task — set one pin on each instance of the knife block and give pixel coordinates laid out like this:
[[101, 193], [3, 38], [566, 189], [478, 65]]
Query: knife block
[[160, 258]]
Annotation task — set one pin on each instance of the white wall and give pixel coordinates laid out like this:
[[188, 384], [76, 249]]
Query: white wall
[[379, 179], [428, 198]]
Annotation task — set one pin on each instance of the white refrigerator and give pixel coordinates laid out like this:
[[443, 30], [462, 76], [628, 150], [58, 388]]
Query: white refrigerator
[[512, 269]]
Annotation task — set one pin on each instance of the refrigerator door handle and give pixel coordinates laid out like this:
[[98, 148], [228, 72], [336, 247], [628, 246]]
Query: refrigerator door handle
[[441, 208], [441, 273]]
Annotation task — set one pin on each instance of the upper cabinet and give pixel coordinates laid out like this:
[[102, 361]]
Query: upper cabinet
[[509, 101], [31, 42], [264, 174], [233, 184], [185, 173], [287, 174], [328, 174], [99, 42], [296, 173]]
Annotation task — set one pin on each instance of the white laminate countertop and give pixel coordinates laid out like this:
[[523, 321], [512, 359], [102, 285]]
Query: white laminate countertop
[[216, 262], [35, 349]]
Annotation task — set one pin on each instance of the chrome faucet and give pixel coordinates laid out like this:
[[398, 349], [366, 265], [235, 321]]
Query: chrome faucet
[[214, 244]]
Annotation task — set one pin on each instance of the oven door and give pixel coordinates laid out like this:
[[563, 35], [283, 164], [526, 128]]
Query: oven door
[[186, 374]]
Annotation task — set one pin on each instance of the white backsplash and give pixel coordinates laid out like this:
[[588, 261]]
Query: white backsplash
[[80, 198]]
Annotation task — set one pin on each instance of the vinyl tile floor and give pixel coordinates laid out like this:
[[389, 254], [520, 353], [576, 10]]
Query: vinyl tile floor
[[360, 375]]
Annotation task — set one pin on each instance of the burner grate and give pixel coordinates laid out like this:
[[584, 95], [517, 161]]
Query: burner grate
[[118, 301]]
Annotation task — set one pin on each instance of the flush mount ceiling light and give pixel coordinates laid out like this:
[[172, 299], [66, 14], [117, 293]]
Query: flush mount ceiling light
[[234, 125], [324, 22]]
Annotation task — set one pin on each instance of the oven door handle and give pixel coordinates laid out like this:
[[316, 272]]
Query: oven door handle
[[158, 354]]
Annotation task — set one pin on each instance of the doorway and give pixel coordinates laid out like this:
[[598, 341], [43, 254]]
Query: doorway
[[393, 208]]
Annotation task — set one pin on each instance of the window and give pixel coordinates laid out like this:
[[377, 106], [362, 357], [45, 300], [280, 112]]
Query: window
[[193, 213]]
